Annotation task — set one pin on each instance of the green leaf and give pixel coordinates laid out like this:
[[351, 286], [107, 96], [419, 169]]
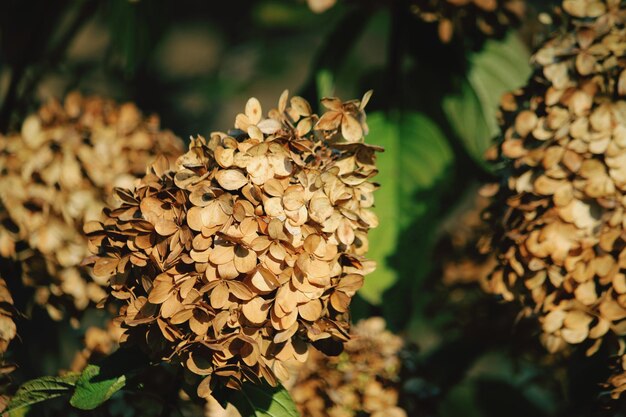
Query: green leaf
[[500, 66], [325, 83], [135, 27], [263, 401], [416, 161], [275, 15], [94, 387], [22, 412], [41, 389], [494, 398]]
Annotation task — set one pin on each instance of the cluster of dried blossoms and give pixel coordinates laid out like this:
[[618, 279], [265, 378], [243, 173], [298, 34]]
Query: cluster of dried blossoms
[[97, 343], [467, 17], [362, 381], [463, 260], [560, 240], [250, 248], [617, 382], [8, 329], [485, 18], [320, 6], [58, 173]]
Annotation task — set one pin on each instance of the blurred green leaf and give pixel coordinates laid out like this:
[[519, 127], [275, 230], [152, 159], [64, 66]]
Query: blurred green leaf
[[496, 397], [461, 401], [39, 390], [500, 66], [325, 83], [275, 14], [94, 387], [337, 46], [263, 401], [416, 158], [135, 27]]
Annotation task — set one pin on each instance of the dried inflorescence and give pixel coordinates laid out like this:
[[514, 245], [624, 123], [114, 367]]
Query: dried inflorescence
[[362, 381], [8, 329], [98, 342], [489, 18], [560, 232], [463, 260], [250, 248], [475, 18], [59, 173], [320, 6], [617, 382]]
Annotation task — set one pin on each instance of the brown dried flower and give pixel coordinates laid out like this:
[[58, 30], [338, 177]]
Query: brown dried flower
[[463, 260], [7, 315], [487, 17], [98, 342], [247, 251], [363, 380], [561, 240], [617, 382], [8, 329], [320, 6], [59, 173]]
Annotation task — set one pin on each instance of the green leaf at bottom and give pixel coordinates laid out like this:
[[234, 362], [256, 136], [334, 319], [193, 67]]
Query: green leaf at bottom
[[41, 389], [94, 387], [263, 401]]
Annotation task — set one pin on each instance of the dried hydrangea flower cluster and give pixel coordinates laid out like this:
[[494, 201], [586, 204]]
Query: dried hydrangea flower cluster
[[617, 382], [474, 18], [561, 232], [362, 381], [320, 6], [98, 342], [58, 173], [251, 248], [8, 330], [462, 258], [488, 18]]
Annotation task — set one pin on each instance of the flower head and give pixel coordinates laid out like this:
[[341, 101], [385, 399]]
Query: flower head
[[248, 250]]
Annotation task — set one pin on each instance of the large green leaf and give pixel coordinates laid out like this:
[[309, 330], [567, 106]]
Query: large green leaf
[[500, 66], [41, 389], [263, 401], [94, 386], [417, 159]]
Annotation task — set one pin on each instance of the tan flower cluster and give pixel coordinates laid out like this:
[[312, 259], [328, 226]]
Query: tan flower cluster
[[487, 18], [58, 173], [7, 314], [8, 330], [97, 343], [462, 258], [467, 17], [251, 248], [560, 233], [320, 6], [617, 382], [362, 381]]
